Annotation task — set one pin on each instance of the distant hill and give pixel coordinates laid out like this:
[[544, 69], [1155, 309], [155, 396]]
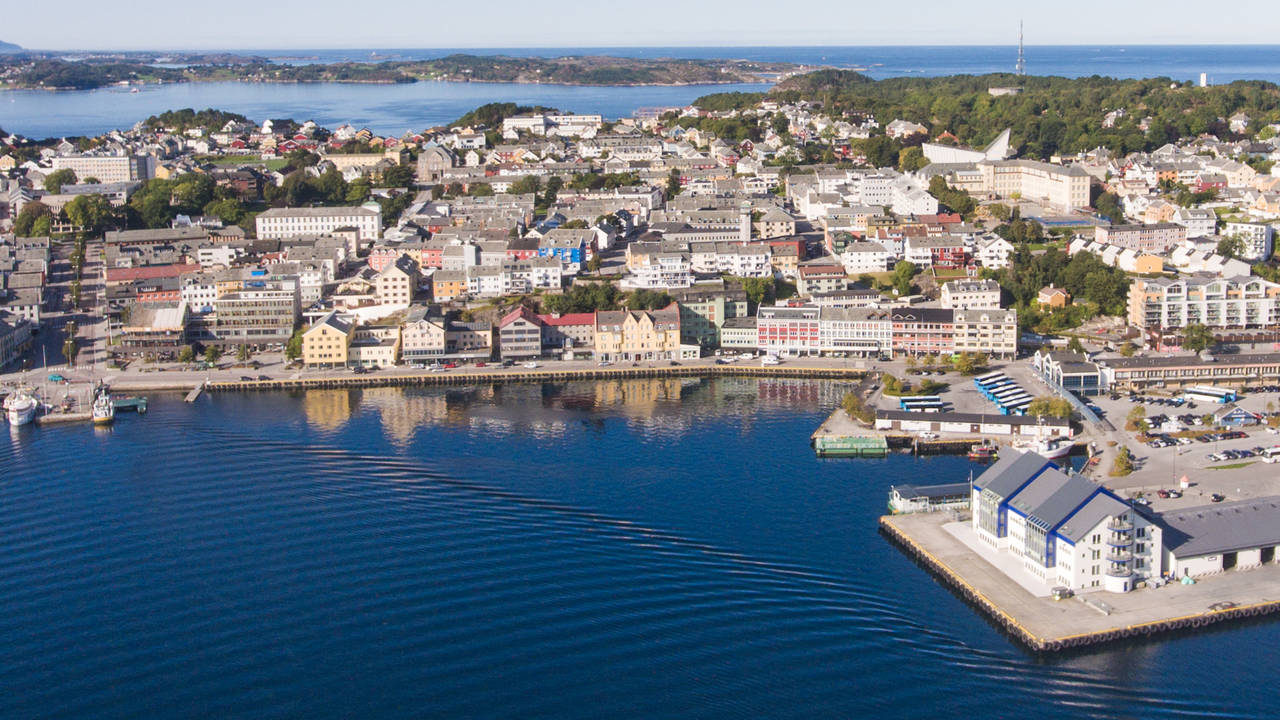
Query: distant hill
[[9, 47]]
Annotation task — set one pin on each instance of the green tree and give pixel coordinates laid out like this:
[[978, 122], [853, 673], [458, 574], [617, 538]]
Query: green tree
[[211, 354], [480, 190], [911, 159], [903, 273], [398, 176], [242, 353], [358, 191], [1133, 420], [593, 265], [526, 185], [673, 184], [187, 354], [1231, 246], [1075, 346], [24, 224], [1123, 463], [758, 290], [1128, 349], [1197, 337], [293, 349], [54, 181], [91, 212], [70, 348]]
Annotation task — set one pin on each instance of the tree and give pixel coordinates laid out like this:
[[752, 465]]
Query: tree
[[526, 185], [673, 184], [211, 354], [397, 176], [881, 151], [857, 409], [1123, 464], [593, 265], [911, 159], [1050, 406], [1197, 337], [970, 363], [54, 181], [1075, 346], [480, 190], [24, 224], [1128, 349], [758, 290], [358, 191], [293, 349], [69, 346], [1000, 212], [91, 212], [242, 353], [1231, 246], [903, 273], [187, 354], [1136, 416]]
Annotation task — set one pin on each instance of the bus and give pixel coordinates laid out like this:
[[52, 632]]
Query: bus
[[1271, 454], [997, 387], [1205, 393], [993, 380], [1008, 393], [987, 377]]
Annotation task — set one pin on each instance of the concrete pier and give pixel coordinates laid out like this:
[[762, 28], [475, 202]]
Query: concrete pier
[[61, 418], [1047, 625]]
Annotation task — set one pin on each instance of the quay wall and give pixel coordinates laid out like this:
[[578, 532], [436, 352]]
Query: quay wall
[[1018, 631], [530, 376]]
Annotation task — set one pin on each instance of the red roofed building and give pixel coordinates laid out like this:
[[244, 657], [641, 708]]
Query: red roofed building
[[119, 276], [569, 332], [520, 335]]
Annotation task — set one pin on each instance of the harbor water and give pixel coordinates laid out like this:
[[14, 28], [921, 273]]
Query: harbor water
[[658, 548]]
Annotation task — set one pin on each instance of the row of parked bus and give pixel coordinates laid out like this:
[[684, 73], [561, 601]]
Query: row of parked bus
[[1002, 390]]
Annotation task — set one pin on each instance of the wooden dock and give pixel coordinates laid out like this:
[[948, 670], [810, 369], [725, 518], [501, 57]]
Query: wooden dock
[[194, 394], [428, 379], [62, 418]]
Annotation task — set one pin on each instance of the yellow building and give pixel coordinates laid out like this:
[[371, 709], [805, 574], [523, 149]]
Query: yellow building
[[448, 285], [328, 342], [626, 335]]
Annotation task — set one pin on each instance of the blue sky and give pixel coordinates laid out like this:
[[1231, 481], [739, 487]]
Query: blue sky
[[152, 24]]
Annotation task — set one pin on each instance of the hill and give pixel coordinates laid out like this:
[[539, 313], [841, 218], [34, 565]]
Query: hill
[[6, 47]]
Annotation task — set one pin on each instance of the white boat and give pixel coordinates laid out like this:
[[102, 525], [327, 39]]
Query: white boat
[[20, 408], [1050, 448], [104, 410]]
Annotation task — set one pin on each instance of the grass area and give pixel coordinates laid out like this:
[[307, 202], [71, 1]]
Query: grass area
[[784, 289], [953, 273], [1232, 466], [272, 164]]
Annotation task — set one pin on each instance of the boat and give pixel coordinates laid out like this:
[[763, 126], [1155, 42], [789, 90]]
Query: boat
[[104, 410], [1050, 448], [983, 451], [21, 408]]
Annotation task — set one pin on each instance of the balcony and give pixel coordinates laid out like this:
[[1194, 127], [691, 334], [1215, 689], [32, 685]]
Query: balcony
[[1120, 572], [1119, 540], [1119, 556], [1120, 526]]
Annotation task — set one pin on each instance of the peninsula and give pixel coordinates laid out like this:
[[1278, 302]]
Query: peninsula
[[29, 70]]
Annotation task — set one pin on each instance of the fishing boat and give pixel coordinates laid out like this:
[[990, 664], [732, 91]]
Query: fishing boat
[[1051, 448], [104, 410], [20, 408], [983, 451]]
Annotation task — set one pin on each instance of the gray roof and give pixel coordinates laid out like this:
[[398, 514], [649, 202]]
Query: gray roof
[[1225, 527], [1011, 471], [1100, 507], [931, 491]]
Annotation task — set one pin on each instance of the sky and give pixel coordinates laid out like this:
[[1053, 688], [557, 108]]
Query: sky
[[323, 24]]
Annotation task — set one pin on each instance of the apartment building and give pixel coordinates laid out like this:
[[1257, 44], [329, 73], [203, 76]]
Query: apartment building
[[106, 168], [966, 294], [398, 282], [638, 335], [325, 344], [863, 332], [1218, 303], [264, 311], [789, 330], [1153, 238], [921, 331], [1257, 239], [703, 311], [990, 331], [278, 223]]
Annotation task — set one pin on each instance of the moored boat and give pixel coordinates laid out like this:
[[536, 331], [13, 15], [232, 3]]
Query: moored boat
[[104, 410], [21, 408], [1050, 448], [983, 451]]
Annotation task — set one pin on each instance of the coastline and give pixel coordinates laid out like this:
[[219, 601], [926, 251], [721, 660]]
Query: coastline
[[408, 80]]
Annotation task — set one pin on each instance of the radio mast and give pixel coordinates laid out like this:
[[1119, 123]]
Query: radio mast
[[1021, 68]]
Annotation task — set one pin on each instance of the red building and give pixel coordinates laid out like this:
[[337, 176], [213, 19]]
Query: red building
[[920, 331]]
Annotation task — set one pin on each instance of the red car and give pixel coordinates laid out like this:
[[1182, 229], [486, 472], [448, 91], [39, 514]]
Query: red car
[[450, 365], [479, 364]]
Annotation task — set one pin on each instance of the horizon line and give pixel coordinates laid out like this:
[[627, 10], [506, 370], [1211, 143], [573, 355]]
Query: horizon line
[[212, 48]]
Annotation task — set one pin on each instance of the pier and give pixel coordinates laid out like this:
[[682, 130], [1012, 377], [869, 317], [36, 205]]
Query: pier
[[62, 418], [1046, 625]]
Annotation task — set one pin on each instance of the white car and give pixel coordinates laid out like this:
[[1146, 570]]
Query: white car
[[531, 365], [746, 355], [770, 360], [928, 435]]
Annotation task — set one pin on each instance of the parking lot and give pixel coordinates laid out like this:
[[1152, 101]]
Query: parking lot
[[1220, 464]]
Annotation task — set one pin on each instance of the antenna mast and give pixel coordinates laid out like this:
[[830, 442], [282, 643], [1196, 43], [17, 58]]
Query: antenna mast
[[1021, 68]]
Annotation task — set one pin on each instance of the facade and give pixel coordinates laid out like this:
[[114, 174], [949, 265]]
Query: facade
[[1137, 373], [789, 330], [397, 283], [520, 335], [568, 335], [15, 337], [1217, 303], [1153, 238], [739, 333], [641, 335], [1211, 539], [106, 168], [325, 344], [1256, 238], [704, 311], [263, 312], [966, 294], [820, 277], [1071, 371], [862, 332], [1065, 529], [277, 223], [989, 331], [153, 330], [865, 257], [375, 346], [923, 331], [1064, 188]]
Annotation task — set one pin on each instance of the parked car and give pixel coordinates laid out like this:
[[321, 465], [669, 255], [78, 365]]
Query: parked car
[[480, 363], [56, 378], [606, 363], [531, 365], [450, 365], [1217, 497], [358, 369]]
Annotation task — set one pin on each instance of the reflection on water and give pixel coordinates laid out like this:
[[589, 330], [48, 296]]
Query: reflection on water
[[657, 406]]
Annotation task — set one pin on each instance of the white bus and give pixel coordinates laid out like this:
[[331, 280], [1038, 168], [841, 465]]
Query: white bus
[[1204, 393]]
